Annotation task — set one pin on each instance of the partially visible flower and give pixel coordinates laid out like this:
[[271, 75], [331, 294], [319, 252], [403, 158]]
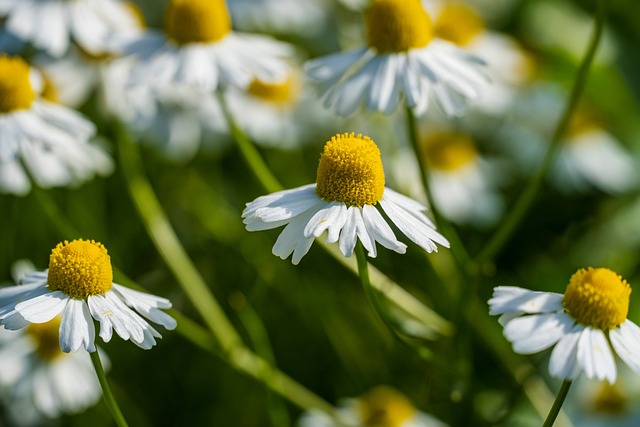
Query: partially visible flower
[[198, 48], [402, 62], [79, 285], [50, 25], [380, 407], [296, 17], [48, 141], [343, 201], [38, 380], [584, 324], [462, 182], [591, 157]]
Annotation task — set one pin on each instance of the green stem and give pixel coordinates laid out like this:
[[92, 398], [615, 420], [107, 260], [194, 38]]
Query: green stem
[[372, 296], [458, 250], [168, 244], [526, 198], [557, 404], [106, 391], [249, 151]]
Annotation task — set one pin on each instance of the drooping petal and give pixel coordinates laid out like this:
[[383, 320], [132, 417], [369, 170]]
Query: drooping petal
[[76, 328], [534, 333], [43, 308], [626, 342], [594, 355], [513, 299], [564, 357]]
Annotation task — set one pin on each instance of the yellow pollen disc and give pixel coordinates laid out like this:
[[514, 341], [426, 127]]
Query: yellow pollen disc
[[197, 21], [278, 93], [385, 407], [458, 23], [597, 297], [16, 92], [80, 268], [449, 151], [397, 25], [350, 171], [45, 337], [609, 400]]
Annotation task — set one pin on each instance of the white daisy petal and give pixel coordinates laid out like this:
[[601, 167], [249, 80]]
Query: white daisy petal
[[77, 329], [626, 342], [292, 237], [380, 230], [534, 333], [594, 355], [148, 305], [348, 236], [564, 357], [44, 307], [510, 298]]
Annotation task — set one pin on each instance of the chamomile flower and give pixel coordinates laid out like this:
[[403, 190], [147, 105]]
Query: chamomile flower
[[584, 324], [79, 285], [50, 25], [344, 202], [38, 380], [402, 59], [463, 183], [199, 49], [38, 137], [380, 407]]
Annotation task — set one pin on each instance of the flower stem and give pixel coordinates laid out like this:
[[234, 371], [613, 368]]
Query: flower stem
[[374, 300], [106, 391], [168, 244], [249, 151], [557, 404], [526, 198], [458, 250]]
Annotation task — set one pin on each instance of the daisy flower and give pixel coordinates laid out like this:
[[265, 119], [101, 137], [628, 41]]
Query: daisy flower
[[47, 140], [584, 324], [39, 380], [50, 25], [198, 48], [402, 59], [463, 184], [380, 407], [79, 285], [344, 202]]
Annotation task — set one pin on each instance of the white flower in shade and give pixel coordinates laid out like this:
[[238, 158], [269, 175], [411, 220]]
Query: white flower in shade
[[43, 139], [79, 285], [592, 157], [50, 25], [402, 60], [297, 17], [344, 202], [584, 324], [38, 380], [198, 48], [380, 407], [462, 182], [281, 115]]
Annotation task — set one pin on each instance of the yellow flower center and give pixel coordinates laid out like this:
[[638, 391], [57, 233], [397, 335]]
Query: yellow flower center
[[449, 151], [80, 268], [385, 407], [609, 400], [16, 92], [350, 171], [278, 93], [458, 23], [45, 337], [49, 91], [597, 297], [197, 21], [397, 25]]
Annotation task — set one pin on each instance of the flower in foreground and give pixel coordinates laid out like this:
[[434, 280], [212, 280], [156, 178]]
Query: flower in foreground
[[79, 285], [50, 141], [380, 407], [402, 59], [584, 324], [198, 48], [344, 202], [38, 379]]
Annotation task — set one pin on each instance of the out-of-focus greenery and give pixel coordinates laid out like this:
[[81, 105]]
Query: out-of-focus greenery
[[319, 325]]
